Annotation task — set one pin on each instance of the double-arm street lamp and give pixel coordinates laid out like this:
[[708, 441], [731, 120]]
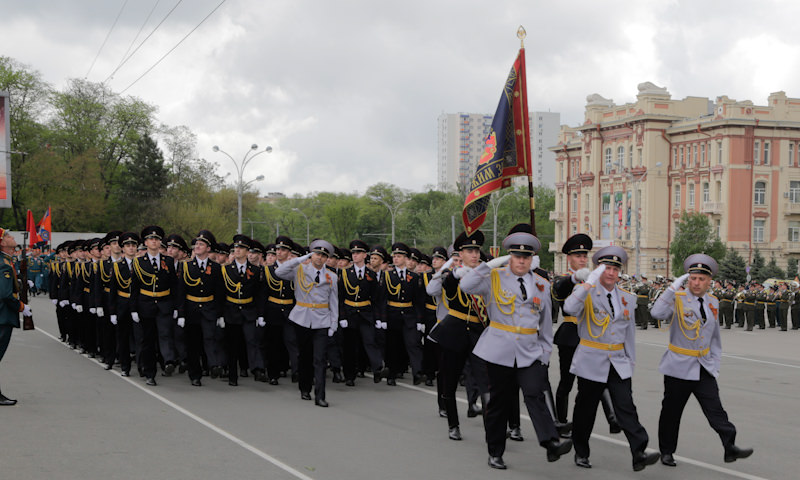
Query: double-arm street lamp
[[240, 173], [392, 210], [308, 228]]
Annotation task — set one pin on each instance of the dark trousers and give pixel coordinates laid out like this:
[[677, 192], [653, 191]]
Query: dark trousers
[[676, 394], [772, 315], [147, 346], [783, 313], [412, 340], [566, 381], [108, 343], [335, 351], [193, 340], [63, 329], [276, 355], [585, 412], [359, 334], [213, 342], [5, 338], [726, 315], [452, 364], [254, 338], [795, 318], [504, 385], [312, 347], [234, 346], [740, 316], [88, 325], [291, 343], [123, 331], [166, 337], [430, 349]]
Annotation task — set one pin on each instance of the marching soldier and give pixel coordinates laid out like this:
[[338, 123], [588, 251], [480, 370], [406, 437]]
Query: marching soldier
[[199, 301], [784, 299], [517, 343], [642, 300], [315, 316], [605, 356], [152, 305], [107, 331], [691, 363], [795, 309], [358, 312], [57, 267], [120, 305], [726, 295], [281, 348]]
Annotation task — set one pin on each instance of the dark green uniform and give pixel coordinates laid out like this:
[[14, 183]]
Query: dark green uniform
[[784, 301], [642, 313], [726, 296]]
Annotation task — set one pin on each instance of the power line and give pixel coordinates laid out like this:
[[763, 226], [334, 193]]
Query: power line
[[106, 39], [125, 60], [124, 55], [173, 48]]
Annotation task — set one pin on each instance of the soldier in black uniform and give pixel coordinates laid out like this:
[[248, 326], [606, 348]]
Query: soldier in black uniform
[[358, 312], [244, 311], [56, 272], [152, 304], [119, 300], [106, 330], [401, 307], [279, 303], [199, 301], [795, 308]]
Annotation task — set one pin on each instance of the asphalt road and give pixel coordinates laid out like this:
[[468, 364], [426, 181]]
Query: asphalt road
[[75, 420]]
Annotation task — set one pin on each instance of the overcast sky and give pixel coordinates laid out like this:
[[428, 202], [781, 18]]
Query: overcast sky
[[348, 92]]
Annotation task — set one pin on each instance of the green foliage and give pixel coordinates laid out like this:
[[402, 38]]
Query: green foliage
[[732, 267], [791, 268], [771, 270], [694, 234], [757, 267]]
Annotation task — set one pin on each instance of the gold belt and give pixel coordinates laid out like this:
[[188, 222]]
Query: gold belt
[[240, 301], [513, 329], [602, 346], [464, 316], [689, 352], [86, 289], [123, 294], [106, 289], [642, 296], [748, 303], [430, 306], [312, 305], [200, 299], [357, 304], [400, 304], [571, 319], [281, 301], [154, 294]]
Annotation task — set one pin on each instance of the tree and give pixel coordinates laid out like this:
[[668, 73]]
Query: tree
[[772, 270], [791, 268], [144, 184], [756, 267], [694, 234], [732, 267]]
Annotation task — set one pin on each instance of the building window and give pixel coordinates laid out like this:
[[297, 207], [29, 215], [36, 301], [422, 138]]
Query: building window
[[703, 155], [621, 157], [690, 191], [630, 156], [608, 160], [574, 202], [639, 154], [677, 193], [694, 155], [760, 193], [719, 191], [606, 206], [794, 192], [794, 231], [586, 203], [706, 193], [791, 153], [675, 157], [718, 228], [756, 150], [681, 164], [561, 202], [719, 153], [758, 231], [766, 153]]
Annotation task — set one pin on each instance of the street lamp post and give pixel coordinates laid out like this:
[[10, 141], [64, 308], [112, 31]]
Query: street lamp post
[[392, 211], [240, 173], [308, 228]]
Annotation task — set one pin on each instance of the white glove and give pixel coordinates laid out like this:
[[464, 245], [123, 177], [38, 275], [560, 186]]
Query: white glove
[[181, 322], [221, 322], [499, 261], [79, 308], [678, 283], [461, 271], [378, 324], [343, 323], [260, 322], [100, 312], [74, 307], [113, 319], [26, 311], [63, 303], [384, 325], [421, 327], [331, 331], [55, 301], [135, 317], [446, 265], [93, 311], [174, 314], [30, 283], [581, 275], [535, 262], [595, 275]]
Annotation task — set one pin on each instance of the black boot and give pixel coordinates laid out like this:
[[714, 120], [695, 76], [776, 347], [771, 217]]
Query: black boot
[[564, 428], [608, 408]]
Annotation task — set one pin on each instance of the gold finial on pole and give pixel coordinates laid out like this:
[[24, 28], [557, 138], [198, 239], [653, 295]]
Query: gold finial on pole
[[521, 34]]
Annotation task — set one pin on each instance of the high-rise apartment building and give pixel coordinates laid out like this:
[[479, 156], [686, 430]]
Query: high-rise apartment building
[[460, 146], [736, 162]]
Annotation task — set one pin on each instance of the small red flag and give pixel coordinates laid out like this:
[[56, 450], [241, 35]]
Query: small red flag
[[31, 229]]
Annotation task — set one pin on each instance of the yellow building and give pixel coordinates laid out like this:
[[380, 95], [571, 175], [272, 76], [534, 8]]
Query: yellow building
[[736, 162]]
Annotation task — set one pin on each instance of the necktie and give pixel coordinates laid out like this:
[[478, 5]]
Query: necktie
[[316, 279], [611, 304], [522, 289], [155, 263], [360, 274], [702, 310], [241, 270]]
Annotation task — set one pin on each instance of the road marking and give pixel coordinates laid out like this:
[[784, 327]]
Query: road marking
[[204, 422], [728, 355]]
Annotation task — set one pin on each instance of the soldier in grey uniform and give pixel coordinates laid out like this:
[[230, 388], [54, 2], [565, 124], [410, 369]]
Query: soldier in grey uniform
[[691, 363], [605, 356], [517, 344], [315, 316]]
